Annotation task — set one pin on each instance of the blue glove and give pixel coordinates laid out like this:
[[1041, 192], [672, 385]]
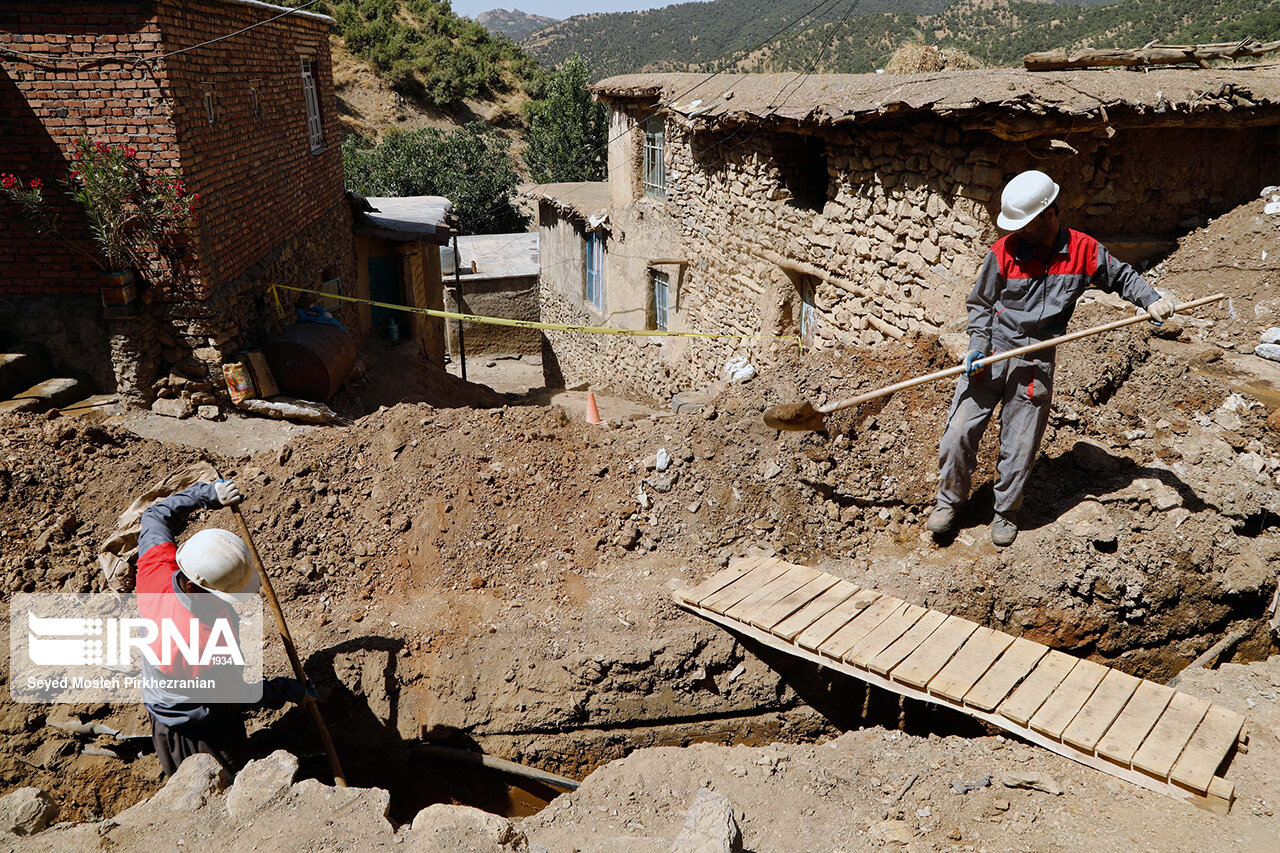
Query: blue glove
[[971, 369], [298, 692]]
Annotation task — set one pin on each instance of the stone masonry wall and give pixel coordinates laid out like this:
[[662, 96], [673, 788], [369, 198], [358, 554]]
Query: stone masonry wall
[[893, 249]]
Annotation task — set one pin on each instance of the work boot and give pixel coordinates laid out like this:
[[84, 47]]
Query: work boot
[[1004, 529], [941, 520]]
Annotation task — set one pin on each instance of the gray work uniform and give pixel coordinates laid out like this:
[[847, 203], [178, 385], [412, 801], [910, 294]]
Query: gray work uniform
[[1020, 300]]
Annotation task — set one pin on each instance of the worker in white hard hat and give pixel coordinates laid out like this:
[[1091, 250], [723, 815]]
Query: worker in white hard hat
[[201, 580], [1025, 293]]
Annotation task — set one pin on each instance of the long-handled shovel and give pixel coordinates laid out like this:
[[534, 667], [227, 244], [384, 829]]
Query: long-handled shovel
[[339, 778], [805, 417]]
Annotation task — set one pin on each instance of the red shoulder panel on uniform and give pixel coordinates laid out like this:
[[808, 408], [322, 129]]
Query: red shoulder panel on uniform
[[1081, 257], [156, 568], [1003, 250]]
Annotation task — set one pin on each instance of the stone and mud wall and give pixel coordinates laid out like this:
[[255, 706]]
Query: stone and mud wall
[[882, 230]]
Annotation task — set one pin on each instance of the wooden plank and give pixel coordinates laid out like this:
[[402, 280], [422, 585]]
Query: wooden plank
[[1015, 664], [1211, 743], [790, 628], [857, 628], [884, 635], [783, 585], [932, 655], [762, 574], [1063, 704], [971, 662], [1130, 728], [1172, 732], [775, 613], [817, 633], [1023, 702], [717, 582], [1101, 710], [900, 648]]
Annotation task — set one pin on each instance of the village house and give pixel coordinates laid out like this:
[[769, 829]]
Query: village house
[[497, 276], [857, 209], [239, 96]]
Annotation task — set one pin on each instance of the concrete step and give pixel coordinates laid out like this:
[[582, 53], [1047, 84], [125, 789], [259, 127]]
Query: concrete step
[[19, 370], [49, 394], [95, 409]]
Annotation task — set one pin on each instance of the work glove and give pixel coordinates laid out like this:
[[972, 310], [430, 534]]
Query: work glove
[[1162, 309], [228, 492], [298, 692], [972, 369]]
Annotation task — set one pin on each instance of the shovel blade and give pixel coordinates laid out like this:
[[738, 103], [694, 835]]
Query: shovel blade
[[795, 417]]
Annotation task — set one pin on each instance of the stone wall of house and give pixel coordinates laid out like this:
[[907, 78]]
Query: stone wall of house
[[889, 235], [231, 115]]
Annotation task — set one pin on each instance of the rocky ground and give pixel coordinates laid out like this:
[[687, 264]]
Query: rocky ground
[[499, 578]]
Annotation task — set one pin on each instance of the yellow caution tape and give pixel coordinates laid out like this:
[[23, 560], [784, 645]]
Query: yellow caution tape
[[522, 324]]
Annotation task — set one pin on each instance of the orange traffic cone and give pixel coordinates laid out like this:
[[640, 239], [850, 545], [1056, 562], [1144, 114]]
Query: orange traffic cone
[[593, 414]]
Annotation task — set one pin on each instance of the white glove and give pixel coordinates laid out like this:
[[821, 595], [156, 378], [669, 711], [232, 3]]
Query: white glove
[[228, 492], [1162, 309]]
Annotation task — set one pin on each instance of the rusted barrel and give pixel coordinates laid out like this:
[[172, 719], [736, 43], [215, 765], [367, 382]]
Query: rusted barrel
[[311, 360]]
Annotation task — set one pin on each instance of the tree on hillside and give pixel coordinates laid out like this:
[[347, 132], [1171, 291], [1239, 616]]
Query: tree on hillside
[[567, 130], [471, 166]]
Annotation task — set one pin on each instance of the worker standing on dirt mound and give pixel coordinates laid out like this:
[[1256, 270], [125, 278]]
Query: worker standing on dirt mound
[[1026, 292], [200, 580]]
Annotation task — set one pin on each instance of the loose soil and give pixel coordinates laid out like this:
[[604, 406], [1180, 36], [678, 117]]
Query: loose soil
[[497, 576]]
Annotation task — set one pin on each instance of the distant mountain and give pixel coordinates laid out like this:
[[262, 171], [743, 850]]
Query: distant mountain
[[859, 35], [515, 24]]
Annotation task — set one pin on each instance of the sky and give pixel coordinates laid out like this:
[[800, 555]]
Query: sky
[[557, 8]]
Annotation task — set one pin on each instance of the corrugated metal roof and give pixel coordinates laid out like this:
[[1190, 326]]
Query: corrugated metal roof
[[499, 255]]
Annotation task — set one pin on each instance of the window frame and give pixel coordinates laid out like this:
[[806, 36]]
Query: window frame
[[660, 284], [655, 165], [593, 286], [311, 96]]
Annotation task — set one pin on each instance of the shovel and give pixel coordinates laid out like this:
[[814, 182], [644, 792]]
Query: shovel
[[805, 417]]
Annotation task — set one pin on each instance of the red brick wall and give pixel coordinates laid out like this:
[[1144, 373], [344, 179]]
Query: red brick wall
[[91, 84], [259, 182]]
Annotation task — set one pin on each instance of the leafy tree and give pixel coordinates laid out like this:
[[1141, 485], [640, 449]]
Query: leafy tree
[[567, 129], [471, 166]]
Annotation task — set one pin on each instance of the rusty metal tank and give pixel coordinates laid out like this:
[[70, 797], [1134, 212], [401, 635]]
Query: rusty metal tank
[[311, 360]]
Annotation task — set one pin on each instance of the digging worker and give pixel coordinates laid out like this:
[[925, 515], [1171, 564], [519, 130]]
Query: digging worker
[[1025, 294], [201, 579]]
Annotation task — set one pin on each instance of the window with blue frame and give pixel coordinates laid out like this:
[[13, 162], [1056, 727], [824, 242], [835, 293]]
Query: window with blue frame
[[661, 299], [595, 269]]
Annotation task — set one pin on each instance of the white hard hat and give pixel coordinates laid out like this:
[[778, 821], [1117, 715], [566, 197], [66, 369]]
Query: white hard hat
[[1024, 198], [218, 561]]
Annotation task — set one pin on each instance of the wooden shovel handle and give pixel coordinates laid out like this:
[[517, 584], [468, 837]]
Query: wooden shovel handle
[[339, 778], [1013, 353]]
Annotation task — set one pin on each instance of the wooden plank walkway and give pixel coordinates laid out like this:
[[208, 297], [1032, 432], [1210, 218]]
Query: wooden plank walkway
[[1140, 731]]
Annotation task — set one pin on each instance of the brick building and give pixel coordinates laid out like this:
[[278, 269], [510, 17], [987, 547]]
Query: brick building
[[855, 210], [251, 120]]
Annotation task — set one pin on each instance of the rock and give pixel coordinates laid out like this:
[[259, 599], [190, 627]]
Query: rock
[[771, 470], [291, 409], [1089, 520], [26, 811], [260, 782], [172, 407], [1268, 351], [1092, 456], [709, 826], [198, 778], [209, 413], [662, 460], [1271, 336], [1246, 573], [1033, 781], [443, 829], [891, 833], [971, 785]]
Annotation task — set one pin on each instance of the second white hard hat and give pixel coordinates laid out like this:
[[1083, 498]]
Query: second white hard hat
[[219, 562], [1024, 198]]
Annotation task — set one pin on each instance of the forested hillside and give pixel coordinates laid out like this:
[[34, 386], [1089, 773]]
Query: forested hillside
[[859, 35], [513, 24]]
